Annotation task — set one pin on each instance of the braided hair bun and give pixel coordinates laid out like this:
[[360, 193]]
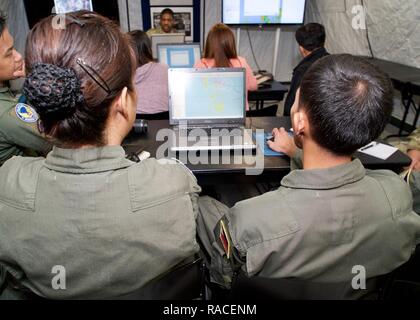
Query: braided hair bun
[[53, 90]]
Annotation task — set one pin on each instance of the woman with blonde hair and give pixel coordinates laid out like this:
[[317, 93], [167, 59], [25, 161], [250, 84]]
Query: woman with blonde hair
[[220, 52]]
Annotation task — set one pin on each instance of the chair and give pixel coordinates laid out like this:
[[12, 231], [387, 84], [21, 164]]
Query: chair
[[183, 282], [154, 116], [404, 282], [246, 288], [270, 111]]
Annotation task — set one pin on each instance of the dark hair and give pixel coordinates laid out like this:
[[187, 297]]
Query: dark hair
[[3, 22], [143, 46], [220, 46], [311, 36], [348, 102], [92, 58], [167, 11]]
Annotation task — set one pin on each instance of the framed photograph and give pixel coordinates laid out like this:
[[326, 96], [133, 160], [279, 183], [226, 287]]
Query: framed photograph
[[66, 6], [183, 19]]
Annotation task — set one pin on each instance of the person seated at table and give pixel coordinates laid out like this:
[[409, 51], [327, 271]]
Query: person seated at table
[[166, 23], [220, 52], [333, 214], [151, 80], [86, 222], [311, 39], [19, 134], [411, 146]]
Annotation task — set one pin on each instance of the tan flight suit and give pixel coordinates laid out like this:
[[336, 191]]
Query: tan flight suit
[[112, 224], [18, 136], [158, 30], [412, 142], [317, 226]]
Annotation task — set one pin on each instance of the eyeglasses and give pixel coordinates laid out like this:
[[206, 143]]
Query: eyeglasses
[[94, 75]]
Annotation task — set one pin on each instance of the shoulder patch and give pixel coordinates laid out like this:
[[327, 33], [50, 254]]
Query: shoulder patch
[[26, 113]]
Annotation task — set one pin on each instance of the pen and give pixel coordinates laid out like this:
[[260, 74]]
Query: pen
[[368, 146]]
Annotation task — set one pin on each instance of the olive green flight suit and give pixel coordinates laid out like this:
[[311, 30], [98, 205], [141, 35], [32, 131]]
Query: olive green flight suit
[[18, 137], [317, 226], [107, 224]]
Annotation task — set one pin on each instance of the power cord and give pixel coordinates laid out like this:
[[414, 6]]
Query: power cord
[[367, 29], [252, 50], [128, 16]]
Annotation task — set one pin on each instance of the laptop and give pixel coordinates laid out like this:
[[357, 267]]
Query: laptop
[[179, 55], [165, 38], [207, 109]]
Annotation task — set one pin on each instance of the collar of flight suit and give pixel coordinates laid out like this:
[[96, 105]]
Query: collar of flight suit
[[325, 179], [89, 160], [6, 94]]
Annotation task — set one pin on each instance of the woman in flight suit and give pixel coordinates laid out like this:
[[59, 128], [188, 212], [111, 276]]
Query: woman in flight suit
[[86, 222]]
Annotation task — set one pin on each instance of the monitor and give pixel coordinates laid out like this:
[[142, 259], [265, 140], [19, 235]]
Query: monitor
[[179, 55], [267, 12], [65, 6], [215, 95], [165, 38]]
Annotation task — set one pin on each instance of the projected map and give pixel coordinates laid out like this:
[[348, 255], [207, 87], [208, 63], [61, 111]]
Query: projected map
[[263, 12]]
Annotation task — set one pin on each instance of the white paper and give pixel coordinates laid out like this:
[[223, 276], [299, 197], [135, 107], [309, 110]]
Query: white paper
[[379, 150]]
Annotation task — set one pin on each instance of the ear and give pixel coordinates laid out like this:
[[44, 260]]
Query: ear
[[300, 122], [122, 105], [302, 51]]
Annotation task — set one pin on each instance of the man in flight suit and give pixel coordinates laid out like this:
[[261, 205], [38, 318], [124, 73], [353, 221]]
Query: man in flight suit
[[333, 215], [19, 133]]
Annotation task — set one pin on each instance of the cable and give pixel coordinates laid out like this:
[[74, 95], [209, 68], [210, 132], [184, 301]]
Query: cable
[[252, 50], [367, 30], [128, 16]]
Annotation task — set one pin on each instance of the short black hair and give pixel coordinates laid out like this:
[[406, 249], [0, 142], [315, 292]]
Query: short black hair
[[348, 102], [167, 11], [3, 22], [311, 36]]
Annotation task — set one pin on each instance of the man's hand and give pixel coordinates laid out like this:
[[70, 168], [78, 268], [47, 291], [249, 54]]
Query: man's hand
[[283, 142], [415, 156]]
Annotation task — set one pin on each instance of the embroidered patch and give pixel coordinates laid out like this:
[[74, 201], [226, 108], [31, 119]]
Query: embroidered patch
[[26, 113]]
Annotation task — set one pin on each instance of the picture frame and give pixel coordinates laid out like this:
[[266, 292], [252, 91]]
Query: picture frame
[[184, 19], [67, 6]]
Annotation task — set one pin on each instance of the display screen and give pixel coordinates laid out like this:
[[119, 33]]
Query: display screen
[[266, 12]]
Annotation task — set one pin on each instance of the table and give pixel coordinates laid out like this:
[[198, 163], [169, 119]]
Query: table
[[406, 80], [271, 91], [275, 168]]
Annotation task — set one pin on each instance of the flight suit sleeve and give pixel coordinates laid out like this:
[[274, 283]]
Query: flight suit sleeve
[[223, 259], [410, 143], [25, 135]]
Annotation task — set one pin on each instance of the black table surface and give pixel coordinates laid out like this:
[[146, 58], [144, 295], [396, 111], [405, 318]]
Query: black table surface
[[274, 167], [273, 90], [399, 72]]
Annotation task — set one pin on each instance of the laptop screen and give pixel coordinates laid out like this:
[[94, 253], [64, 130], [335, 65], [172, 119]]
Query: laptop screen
[[179, 56], [166, 38], [207, 95]]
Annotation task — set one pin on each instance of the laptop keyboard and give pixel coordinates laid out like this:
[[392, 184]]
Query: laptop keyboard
[[216, 131]]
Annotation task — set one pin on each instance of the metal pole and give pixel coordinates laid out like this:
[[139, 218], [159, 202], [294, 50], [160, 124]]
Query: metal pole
[[238, 39], [276, 51]]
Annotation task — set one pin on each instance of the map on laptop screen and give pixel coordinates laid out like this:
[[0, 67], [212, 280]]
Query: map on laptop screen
[[207, 95]]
